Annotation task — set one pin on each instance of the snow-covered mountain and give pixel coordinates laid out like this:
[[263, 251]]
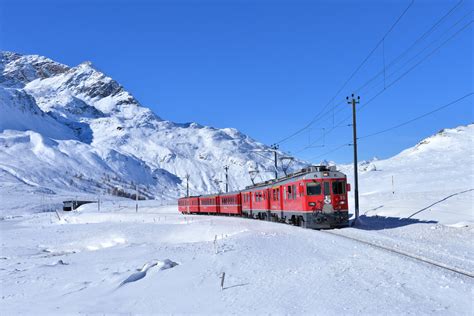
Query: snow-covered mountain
[[76, 129]]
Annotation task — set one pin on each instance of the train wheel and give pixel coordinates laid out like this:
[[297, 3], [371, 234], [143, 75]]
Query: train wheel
[[293, 220], [301, 222]]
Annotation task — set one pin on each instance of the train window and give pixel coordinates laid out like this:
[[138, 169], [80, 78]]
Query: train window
[[338, 187], [313, 188], [293, 189], [326, 188], [289, 191]]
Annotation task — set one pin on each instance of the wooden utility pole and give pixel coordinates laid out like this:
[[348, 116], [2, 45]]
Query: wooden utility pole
[[275, 148], [352, 100], [187, 184], [226, 178]]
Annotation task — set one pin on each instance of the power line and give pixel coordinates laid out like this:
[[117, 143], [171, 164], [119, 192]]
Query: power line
[[331, 151], [425, 34], [420, 38], [403, 74], [398, 125], [418, 117], [316, 117], [255, 152], [427, 46], [419, 62]]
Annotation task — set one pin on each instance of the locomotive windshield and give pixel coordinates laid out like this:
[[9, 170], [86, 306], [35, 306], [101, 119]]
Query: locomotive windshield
[[313, 188], [338, 187]]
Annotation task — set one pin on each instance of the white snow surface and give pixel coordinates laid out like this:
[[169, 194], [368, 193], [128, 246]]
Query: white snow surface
[[161, 262]]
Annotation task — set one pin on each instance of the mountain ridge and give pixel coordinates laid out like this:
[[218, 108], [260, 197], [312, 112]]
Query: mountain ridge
[[82, 109]]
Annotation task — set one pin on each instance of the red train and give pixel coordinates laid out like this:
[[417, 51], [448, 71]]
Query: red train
[[315, 197]]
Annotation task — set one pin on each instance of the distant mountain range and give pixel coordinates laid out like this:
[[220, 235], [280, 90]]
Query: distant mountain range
[[76, 129]]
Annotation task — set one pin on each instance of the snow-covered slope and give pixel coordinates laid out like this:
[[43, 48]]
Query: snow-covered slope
[[434, 180], [158, 261], [72, 127]]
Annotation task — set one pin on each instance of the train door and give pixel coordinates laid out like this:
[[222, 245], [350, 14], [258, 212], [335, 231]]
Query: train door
[[327, 197]]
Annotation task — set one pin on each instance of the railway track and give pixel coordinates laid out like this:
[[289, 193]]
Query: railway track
[[428, 261], [406, 254]]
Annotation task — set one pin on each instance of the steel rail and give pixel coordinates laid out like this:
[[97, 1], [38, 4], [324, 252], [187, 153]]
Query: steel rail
[[406, 254]]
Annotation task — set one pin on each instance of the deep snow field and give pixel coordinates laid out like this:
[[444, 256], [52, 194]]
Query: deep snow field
[[160, 261]]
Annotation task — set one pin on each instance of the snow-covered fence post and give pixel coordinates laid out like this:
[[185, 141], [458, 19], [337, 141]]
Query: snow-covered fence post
[[59, 217], [215, 244], [222, 281], [136, 198], [393, 186]]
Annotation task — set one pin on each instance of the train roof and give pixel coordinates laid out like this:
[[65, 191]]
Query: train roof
[[190, 197], [309, 172]]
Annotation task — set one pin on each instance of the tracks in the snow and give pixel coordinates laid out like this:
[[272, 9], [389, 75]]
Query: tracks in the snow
[[400, 252], [406, 254]]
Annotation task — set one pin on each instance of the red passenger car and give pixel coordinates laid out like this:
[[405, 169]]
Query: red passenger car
[[230, 203], [209, 204], [189, 205]]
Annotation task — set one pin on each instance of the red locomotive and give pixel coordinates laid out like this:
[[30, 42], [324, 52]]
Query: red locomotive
[[315, 197]]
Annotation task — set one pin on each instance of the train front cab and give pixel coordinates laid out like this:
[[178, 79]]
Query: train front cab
[[325, 203]]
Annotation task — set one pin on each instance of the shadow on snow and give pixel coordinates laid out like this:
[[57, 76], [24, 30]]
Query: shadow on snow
[[384, 222]]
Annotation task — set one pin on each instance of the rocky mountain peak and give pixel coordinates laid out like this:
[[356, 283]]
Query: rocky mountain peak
[[107, 131], [17, 70]]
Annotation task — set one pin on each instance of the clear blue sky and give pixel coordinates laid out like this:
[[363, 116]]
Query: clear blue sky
[[263, 67]]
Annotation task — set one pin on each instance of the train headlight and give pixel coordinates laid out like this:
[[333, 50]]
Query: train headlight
[[342, 202], [312, 204]]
